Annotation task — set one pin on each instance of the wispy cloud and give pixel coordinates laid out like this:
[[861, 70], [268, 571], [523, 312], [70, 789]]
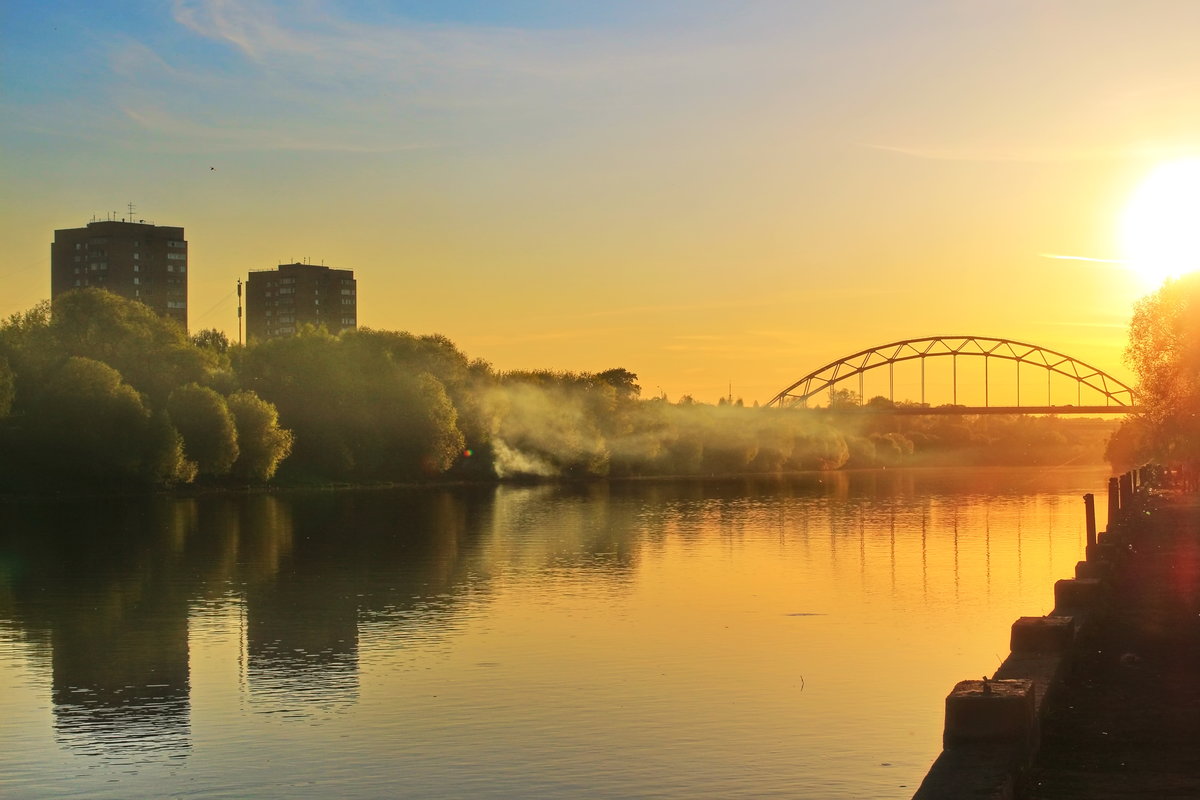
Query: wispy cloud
[[307, 76], [1060, 257]]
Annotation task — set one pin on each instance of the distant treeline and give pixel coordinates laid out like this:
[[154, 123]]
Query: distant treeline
[[101, 392]]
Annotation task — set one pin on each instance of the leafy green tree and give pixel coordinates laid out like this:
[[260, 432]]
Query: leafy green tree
[[210, 437], [211, 339], [152, 353], [1164, 353], [355, 411], [7, 386], [90, 426], [262, 444]]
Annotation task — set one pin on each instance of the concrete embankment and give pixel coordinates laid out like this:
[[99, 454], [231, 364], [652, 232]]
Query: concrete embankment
[[1101, 698]]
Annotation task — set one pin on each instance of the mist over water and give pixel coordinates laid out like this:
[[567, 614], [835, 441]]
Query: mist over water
[[769, 637], [570, 425]]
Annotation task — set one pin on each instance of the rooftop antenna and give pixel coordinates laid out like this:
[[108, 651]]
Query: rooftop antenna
[[130, 211], [239, 290]]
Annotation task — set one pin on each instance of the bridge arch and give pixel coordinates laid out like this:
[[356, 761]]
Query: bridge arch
[[1117, 395]]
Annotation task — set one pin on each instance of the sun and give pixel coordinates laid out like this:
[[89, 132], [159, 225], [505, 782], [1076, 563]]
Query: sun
[[1160, 229]]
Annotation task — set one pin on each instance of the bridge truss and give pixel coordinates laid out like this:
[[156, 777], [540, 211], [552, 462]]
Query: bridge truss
[[1118, 397]]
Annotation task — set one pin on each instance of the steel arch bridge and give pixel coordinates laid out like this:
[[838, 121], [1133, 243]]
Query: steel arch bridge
[[1118, 397]]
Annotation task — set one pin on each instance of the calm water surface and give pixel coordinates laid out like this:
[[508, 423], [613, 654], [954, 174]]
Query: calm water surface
[[777, 638]]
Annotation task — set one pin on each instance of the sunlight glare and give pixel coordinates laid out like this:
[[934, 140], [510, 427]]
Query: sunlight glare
[[1160, 230]]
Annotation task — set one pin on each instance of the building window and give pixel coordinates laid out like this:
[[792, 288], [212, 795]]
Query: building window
[[136, 256], [175, 243], [176, 256], [136, 281], [136, 267]]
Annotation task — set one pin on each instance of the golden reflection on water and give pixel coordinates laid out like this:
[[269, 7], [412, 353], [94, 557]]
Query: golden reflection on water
[[791, 638]]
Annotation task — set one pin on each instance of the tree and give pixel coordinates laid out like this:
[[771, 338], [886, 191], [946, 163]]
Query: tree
[[212, 339], [1164, 353], [355, 411], [87, 425], [7, 386], [262, 444], [623, 381], [844, 398], [152, 353], [209, 435]]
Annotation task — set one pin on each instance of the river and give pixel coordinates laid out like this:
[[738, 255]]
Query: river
[[767, 638]]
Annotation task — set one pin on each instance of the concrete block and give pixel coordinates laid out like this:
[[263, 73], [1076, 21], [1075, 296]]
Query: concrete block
[[1077, 593], [1094, 568], [1042, 634], [982, 711]]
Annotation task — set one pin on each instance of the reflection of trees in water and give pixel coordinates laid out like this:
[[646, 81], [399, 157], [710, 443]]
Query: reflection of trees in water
[[396, 558], [588, 529], [105, 588]]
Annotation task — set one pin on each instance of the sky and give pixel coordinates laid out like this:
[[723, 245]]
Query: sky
[[717, 196]]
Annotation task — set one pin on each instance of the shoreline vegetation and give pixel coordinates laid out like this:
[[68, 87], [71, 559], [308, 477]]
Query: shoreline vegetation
[[98, 394]]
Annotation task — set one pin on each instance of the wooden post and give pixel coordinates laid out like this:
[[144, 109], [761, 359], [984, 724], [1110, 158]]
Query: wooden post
[[1089, 513], [1126, 490], [1114, 502]]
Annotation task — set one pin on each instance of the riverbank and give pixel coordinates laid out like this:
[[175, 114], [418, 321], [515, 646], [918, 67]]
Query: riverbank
[[1108, 703]]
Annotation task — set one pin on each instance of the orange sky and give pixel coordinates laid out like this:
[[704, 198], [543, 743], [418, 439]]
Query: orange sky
[[707, 194]]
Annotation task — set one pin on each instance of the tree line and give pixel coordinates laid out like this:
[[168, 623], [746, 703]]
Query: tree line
[[99, 391]]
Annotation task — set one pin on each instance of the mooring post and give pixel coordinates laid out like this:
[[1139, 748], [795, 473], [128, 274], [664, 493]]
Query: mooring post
[[1114, 502], [1089, 513], [1126, 490]]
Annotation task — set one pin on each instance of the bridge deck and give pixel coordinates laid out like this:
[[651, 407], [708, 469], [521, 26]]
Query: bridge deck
[[1083, 410]]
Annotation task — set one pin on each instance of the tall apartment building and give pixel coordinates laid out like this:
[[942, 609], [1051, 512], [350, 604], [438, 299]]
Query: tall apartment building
[[279, 301], [137, 260]]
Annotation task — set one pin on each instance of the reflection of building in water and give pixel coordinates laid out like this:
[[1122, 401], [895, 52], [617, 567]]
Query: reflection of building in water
[[302, 646], [122, 684], [101, 584]]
